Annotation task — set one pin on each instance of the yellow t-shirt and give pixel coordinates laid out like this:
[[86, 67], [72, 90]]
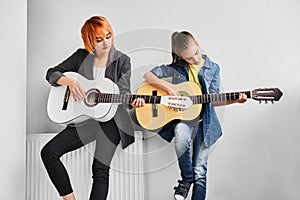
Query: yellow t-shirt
[[194, 71], [193, 75]]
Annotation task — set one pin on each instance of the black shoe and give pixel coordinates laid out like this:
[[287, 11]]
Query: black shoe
[[182, 190]]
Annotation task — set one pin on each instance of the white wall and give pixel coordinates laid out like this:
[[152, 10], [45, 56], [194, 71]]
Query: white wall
[[13, 99], [257, 45]]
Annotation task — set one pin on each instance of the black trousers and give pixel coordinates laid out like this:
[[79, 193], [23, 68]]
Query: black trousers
[[71, 138]]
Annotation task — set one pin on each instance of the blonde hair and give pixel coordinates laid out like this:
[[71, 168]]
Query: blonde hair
[[180, 42]]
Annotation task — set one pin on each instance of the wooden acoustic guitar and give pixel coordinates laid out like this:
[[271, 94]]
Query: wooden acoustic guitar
[[155, 116]]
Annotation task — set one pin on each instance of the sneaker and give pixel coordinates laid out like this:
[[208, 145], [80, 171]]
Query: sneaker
[[182, 190]]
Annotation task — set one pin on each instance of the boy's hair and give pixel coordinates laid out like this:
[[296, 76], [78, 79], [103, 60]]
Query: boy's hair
[[96, 26]]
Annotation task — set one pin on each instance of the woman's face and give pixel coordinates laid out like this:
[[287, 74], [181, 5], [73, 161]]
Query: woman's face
[[192, 54], [104, 44]]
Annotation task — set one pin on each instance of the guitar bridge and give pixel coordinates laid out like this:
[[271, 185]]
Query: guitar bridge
[[66, 98]]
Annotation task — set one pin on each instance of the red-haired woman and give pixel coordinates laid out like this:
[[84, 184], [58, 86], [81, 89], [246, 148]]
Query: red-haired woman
[[99, 59]]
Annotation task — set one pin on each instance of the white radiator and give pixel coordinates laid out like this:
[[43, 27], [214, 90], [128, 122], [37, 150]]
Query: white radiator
[[126, 174]]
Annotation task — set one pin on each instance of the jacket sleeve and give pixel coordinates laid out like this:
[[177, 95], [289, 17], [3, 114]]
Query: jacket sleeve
[[72, 63], [163, 71], [125, 75], [214, 86], [124, 78]]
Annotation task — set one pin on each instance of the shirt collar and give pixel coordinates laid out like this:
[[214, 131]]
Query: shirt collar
[[208, 62]]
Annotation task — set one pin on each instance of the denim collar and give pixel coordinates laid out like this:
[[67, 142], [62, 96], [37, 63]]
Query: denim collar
[[208, 62]]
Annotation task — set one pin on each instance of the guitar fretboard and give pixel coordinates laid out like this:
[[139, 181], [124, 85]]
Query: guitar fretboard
[[209, 98], [196, 99], [126, 98]]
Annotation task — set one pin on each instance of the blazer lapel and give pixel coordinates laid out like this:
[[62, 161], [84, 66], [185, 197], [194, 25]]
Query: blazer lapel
[[86, 68], [111, 70]]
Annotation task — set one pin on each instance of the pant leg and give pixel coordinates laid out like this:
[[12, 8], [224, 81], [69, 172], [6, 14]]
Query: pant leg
[[107, 139], [183, 138], [65, 141], [200, 156]]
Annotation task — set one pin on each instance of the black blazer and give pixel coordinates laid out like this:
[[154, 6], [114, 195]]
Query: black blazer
[[118, 70]]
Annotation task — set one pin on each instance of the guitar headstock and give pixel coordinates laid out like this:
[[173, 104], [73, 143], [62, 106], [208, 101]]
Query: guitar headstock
[[266, 94], [177, 102]]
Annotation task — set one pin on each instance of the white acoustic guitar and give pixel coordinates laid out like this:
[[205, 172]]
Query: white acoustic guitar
[[101, 102]]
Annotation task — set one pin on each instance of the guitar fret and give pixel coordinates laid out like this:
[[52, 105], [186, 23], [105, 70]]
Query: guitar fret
[[124, 98], [231, 96], [119, 98], [128, 99], [194, 100], [215, 97], [108, 97], [148, 99]]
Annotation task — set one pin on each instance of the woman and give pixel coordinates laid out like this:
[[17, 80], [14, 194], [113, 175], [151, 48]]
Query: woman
[[189, 64], [99, 59]]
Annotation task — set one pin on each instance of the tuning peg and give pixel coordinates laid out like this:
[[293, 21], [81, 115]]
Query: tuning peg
[[259, 101], [272, 101], [266, 101]]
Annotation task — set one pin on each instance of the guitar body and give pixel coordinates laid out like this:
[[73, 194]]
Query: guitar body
[[154, 116], [63, 109]]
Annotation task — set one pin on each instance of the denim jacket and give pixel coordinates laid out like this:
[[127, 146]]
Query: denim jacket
[[209, 77]]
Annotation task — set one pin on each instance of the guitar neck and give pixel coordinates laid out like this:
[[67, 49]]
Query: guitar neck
[[127, 98], [210, 98], [196, 99]]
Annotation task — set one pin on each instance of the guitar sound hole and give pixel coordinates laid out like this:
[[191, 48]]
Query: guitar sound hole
[[92, 97]]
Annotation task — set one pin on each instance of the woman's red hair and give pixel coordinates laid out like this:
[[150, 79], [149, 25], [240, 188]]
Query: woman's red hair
[[96, 26]]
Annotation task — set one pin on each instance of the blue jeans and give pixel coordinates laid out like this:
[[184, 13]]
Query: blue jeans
[[192, 157]]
